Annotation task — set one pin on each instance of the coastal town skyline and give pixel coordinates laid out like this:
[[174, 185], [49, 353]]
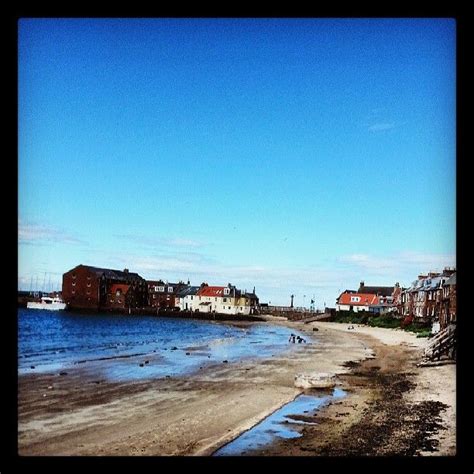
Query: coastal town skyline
[[296, 156]]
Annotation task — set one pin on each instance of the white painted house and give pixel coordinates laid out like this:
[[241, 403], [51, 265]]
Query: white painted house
[[352, 301]]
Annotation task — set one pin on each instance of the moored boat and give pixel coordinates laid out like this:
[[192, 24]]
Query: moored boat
[[47, 302]]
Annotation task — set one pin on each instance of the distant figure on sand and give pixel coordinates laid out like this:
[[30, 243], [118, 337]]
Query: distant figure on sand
[[292, 338], [300, 339]]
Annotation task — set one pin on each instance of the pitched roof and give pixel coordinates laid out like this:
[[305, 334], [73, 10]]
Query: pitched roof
[[366, 299], [211, 291], [433, 283], [187, 291], [451, 280], [155, 282], [112, 274], [378, 290]]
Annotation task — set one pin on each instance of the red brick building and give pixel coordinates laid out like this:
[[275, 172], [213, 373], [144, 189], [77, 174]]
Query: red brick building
[[162, 295], [93, 288], [447, 312]]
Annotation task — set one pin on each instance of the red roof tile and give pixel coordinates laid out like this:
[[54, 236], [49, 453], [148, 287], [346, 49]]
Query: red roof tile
[[211, 291], [366, 299]]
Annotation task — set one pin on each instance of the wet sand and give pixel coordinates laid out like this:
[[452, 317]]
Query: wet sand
[[84, 414]]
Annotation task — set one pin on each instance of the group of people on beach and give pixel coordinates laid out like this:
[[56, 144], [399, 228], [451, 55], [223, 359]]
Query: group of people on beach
[[293, 338]]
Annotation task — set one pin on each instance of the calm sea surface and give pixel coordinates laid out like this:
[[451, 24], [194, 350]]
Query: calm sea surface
[[117, 345]]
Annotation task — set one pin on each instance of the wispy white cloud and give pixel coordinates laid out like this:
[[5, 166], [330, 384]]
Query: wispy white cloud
[[406, 264], [34, 233], [273, 283], [276, 283], [381, 119]]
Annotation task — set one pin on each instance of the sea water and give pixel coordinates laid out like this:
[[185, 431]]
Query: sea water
[[279, 424], [116, 345]]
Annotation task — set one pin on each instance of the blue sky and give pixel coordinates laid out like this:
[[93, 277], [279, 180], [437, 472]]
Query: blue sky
[[299, 156]]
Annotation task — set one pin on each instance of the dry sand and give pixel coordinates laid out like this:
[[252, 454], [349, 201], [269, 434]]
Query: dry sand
[[387, 395]]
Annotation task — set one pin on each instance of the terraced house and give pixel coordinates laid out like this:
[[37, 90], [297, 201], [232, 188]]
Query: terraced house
[[162, 295], [186, 298], [225, 300], [431, 298]]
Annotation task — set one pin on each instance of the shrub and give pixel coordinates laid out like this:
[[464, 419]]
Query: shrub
[[352, 317], [384, 322]]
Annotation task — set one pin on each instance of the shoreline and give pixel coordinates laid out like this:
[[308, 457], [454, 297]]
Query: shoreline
[[199, 413], [392, 407], [162, 313]]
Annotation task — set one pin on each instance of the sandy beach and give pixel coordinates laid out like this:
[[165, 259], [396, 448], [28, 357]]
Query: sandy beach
[[392, 405]]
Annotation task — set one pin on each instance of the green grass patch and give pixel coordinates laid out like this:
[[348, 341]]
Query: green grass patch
[[421, 330], [351, 317], [384, 322], [363, 317]]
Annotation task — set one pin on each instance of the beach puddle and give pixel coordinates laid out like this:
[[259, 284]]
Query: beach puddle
[[280, 424]]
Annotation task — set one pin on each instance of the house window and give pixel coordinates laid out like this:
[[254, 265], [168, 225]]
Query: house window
[[215, 299], [74, 277], [88, 285], [160, 288], [73, 292], [88, 292], [225, 300], [170, 289], [355, 299], [73, 283], [226, 291], [191, 297]]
